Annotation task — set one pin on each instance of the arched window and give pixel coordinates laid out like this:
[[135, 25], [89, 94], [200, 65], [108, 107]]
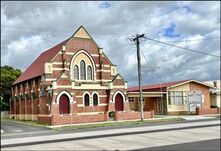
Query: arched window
[[86, 100], [95, 100], [89, 73], [76, 72], [82, 70]]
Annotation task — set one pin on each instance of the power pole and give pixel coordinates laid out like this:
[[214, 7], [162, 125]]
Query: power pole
[[137, 42]]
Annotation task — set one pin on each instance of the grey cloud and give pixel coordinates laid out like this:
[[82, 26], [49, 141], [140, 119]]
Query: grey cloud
[[111, 27]]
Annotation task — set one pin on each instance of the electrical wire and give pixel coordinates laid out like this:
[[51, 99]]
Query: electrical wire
[[182, 47]]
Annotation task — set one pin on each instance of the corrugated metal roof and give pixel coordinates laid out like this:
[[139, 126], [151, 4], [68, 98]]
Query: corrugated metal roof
[[37, 67], [154, 87]]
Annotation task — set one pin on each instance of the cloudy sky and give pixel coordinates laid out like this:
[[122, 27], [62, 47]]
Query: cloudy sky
[[29, 28]]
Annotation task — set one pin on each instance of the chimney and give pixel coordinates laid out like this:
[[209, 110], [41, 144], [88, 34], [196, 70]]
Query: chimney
[[215, 84]]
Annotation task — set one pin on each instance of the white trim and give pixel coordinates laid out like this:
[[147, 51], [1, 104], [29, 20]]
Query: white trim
[[70, 53], [60, 69], [119, 86], [103, 96], [95, 55], [89, 113], [102, 70], [55, 93], [59, 63], [50, 79], [90, 87], [80, 105], [208, 85], [63, 86], [98, 80], [89, 98], [91, 59], [103, 104], [122, 94], [60, 94], [79, 96], [98, 97], [146, 92], [73, 53]]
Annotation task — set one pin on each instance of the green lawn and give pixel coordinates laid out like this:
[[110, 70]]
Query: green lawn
[[123, 123], [106, 124]]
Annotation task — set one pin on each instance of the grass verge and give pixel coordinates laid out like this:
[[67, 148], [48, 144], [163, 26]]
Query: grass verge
[[123, 123]]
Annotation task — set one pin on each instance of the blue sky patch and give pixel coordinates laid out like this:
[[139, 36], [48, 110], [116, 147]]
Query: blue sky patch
[[170, 31], [105, 4]]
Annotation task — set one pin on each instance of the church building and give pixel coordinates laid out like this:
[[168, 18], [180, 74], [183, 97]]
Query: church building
[[72, 82]]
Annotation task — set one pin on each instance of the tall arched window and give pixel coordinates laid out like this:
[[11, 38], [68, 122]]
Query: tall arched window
[[86, 100], [76, 72], [82, 70], [95, 100], [89, 73]]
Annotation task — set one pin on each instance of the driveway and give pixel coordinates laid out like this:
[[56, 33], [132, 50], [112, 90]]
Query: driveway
[[10, 127]]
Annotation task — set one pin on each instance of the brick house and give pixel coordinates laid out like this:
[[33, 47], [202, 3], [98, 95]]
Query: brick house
[[178, 97], [72, 82]]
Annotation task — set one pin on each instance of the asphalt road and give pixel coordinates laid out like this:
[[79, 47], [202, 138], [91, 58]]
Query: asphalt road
[[207, 145], [12, 127]]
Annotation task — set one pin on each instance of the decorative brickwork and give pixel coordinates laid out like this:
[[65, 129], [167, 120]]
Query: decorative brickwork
[[53, 75]]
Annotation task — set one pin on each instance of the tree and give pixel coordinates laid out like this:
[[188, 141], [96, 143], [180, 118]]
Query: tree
[[8, 76]]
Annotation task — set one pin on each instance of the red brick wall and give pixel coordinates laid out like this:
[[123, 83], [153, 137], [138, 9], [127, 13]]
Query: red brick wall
[[63, 82], [132, 115], [205, 92], [200, 111], [118, 82], [45, 119], [75, 119]]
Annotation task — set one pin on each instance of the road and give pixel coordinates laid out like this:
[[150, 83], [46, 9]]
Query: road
[[207, 145], [186, 139], [12, 127]]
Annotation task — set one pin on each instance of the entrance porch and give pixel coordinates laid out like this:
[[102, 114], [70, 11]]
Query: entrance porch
[[155, 101]]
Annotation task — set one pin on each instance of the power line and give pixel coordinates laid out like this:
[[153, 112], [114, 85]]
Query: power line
[[151, 67], [182, 47], [161, 88], [189, 40]]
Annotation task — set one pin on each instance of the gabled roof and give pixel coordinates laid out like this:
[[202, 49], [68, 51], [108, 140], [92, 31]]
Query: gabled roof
[[37, 67], [164, 86], [118, 75], [155, 86]]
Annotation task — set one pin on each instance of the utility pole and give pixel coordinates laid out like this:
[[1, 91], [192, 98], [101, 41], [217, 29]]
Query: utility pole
[[137, 42]]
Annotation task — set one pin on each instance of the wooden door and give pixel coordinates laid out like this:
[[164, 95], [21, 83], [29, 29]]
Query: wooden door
[[119, 102], [64, 106]]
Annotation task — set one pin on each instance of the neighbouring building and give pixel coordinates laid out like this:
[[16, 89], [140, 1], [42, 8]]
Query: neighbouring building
[[72, 82], [179, 97], [214, 93]]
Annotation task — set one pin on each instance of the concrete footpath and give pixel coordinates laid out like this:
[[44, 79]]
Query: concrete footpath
[[12, 142]]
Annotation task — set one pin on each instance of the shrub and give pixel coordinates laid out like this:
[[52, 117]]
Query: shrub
[[111, 114]]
